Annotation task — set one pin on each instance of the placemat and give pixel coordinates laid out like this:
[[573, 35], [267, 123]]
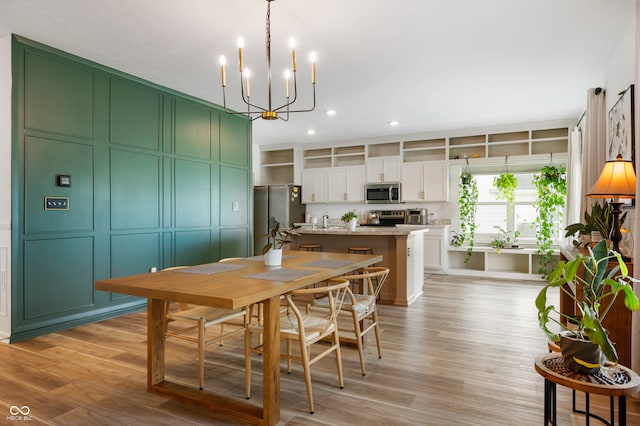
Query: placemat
[[327, 263], [281, 274], [260, 257], [211, 268]]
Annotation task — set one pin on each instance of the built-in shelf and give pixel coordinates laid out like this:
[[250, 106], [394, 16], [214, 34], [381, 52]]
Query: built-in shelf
[[334, 157], [424, 150], [391, 149], [521, 263], [277, 166]]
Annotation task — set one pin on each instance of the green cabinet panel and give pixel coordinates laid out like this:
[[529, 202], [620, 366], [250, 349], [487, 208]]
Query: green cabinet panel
[[193, 130], [192, 193], [234, 242], [235, 142], [44, 159], [234, 197], [135, 190], [135, 115], [193, 247], [134, 254], [59, 277], [59, 96]]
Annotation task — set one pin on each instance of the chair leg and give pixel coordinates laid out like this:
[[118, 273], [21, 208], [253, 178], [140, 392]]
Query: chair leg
[[377, 331], [304, 355], [247, 362], [336, 342], [288, 356], [359, 343], [201, 352]]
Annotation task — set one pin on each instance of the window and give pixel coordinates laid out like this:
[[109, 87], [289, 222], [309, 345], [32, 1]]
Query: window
[[493, 214]]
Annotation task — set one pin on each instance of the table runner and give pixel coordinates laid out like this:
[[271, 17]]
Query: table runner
[[211, 268], [327, 263], [282, 274]]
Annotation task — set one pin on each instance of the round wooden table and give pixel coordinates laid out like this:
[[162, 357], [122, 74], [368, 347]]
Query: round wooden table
[[611, 381]]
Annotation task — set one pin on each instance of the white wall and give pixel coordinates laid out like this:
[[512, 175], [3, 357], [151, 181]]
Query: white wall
[[5, 186], [620, 74]]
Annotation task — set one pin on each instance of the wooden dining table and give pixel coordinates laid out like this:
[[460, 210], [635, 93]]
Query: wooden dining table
[[231, 285]]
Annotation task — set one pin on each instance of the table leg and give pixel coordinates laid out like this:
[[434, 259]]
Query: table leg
[[155, 341], [271, 362], [622, 410]]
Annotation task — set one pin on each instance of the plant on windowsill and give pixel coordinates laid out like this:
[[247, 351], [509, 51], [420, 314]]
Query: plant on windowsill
[[551, 184], [350, 218], [599, 285], [467, 203], [506, 239], [277, 237]]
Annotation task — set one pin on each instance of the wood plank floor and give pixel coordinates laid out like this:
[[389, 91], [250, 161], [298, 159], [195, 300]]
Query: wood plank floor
[[462, 354]]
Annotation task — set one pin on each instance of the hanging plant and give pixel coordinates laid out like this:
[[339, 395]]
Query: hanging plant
[[468, 193], [506, 184], [551, 184]]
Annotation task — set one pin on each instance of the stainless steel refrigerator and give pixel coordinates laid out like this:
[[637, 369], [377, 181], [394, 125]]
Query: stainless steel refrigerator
[[283, 202]]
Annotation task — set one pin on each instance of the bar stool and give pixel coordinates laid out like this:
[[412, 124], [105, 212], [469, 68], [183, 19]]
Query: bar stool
[[360, 250], [310, 247]]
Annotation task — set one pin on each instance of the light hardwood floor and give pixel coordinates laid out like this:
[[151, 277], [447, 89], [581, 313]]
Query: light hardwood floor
[[462, 354]]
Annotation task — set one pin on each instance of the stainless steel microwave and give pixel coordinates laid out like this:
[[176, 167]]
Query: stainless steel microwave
[[382, 193]]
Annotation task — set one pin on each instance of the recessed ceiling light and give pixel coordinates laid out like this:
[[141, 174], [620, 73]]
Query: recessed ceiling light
[[331, 112], [311, 132], [393, 123]]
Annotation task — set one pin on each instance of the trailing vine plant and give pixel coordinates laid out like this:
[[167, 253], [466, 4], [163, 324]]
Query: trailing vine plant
[[467, 203], [506, 184], [551, 184]]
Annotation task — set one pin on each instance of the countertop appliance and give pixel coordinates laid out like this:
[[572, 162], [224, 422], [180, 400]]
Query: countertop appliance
[[382, 193], [282, 202], [416, 217], [386, 217]]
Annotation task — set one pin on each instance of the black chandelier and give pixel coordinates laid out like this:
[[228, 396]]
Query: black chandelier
[[269, 113]]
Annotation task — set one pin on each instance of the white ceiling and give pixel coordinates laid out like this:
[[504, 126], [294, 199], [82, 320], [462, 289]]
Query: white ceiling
[[430, 64]]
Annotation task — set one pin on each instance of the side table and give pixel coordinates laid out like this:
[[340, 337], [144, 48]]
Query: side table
[[617, 381]]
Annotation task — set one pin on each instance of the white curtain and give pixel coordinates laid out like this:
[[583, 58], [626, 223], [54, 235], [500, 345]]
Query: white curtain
[[574, 176], [593, 143], [635, 324]]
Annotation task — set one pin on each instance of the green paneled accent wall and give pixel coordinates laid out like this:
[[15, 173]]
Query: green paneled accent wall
[[147, 165]]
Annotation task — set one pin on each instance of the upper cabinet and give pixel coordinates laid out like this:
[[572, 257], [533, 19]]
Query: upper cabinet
[[383, 162], [314, 186], [424, 182], [346, 184]]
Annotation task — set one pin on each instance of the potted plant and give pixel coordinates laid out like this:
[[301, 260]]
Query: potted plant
[[598, 286], [467, 201], [597, 224], [350, 218], [551, 184], [506, 239], [506, 184], [277, 237]]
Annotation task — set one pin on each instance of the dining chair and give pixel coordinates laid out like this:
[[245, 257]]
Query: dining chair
[[190, 323], [298, 323], [361, 308]]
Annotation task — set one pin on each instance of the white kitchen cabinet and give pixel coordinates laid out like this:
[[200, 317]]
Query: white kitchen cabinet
[[425, 182], [314, 186], [434, 249], [345, 184], [383, 169]]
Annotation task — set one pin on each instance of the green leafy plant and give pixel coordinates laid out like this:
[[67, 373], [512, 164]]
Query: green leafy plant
[[506, 184], [277, 237], [457, 239], [600, 219], [504, 239], [600, 287], [349, 215], [551, 184], [467, 204]]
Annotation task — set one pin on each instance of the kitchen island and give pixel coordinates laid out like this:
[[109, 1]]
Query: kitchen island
[[401, 248]]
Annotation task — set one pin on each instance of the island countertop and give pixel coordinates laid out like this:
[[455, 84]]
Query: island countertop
[[361, 230]]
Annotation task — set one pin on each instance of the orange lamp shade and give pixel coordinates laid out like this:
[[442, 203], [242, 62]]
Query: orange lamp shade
[[618, 179]]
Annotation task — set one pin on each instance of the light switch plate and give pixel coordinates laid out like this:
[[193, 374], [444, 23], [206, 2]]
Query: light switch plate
[[56, 203]]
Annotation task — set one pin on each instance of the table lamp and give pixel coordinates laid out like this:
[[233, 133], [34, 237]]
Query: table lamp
[[617, 180]]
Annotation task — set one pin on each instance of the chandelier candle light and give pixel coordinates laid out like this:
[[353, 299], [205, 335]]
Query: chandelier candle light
[[268, 113]]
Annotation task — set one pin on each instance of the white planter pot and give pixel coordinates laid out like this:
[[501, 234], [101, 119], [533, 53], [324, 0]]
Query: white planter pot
[[351, 225], [273, 257]]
